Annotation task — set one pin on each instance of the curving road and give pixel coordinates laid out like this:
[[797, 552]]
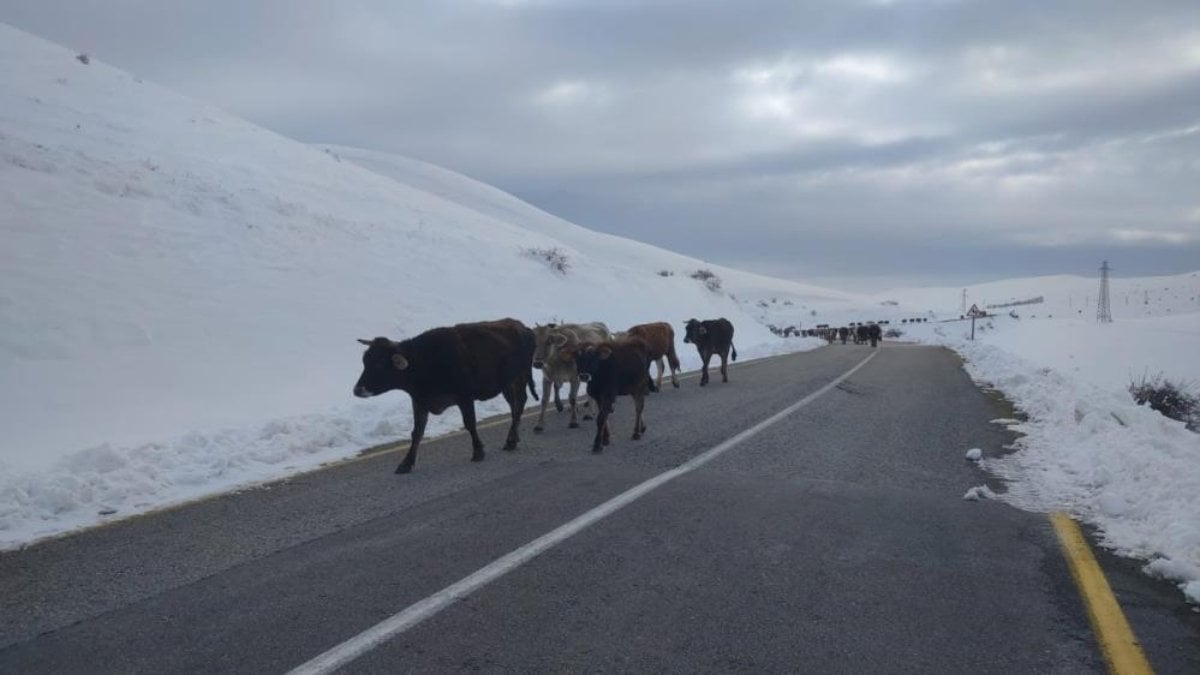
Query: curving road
[[833, 539]]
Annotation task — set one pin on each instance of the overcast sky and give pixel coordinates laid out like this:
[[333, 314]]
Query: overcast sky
[[913, 141]]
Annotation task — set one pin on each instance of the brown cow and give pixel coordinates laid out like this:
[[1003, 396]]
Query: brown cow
[[660, 340], [712, 336], [456, 365]]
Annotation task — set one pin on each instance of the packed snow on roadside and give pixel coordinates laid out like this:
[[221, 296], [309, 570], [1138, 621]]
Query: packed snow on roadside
[[181, 290], [1086, 447]]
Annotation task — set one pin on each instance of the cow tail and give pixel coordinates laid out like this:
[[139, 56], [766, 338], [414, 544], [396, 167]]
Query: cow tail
[[734, 350], [533, 389]]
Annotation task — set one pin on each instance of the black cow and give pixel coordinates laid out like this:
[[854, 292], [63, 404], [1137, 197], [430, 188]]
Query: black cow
[[843, 333], [612, 369], [455, 365], [875, 333], [712, 336]]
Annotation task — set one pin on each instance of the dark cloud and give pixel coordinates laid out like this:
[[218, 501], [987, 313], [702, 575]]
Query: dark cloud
[[918, 137]]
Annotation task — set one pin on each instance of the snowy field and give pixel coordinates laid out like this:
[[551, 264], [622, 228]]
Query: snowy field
[[180, 292]]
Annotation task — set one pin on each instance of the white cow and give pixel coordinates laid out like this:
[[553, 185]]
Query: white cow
[[555, 356]]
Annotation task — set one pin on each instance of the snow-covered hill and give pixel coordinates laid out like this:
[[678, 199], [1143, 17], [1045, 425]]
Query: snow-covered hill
[[1063, 296], [180, 290]]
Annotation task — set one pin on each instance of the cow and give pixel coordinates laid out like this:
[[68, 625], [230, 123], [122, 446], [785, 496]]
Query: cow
[[660, 339], [875, 333], [712, 336], [454, 365], [613, 369], [843, 333], [557, 362], [861, 334]]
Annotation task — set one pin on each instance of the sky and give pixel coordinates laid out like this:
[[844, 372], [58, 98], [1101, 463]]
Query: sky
[[861, 144]]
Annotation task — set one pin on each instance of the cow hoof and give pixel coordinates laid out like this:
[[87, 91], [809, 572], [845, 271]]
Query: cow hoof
[[675, 384], [703, 383], [587, 417], [637, 437], [559, 407], [509, 447], [477, 458], [596, 449], [574, 425], [539, 429], [404, 468]]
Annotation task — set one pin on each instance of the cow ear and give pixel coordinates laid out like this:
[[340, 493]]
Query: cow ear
[[399, 361], [605, 352], [365, 342], [558, 339]]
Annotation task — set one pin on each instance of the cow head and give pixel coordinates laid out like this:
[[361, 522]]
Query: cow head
[[589, 359], [694, 331], [385, 368], [541, 338]]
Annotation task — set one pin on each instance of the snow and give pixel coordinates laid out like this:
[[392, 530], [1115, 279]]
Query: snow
[[974, 454], [180, 291], [1085, 447], [979, 492]]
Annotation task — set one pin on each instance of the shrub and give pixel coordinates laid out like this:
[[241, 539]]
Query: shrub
[[83, 58], [710, 279], [1169, 398], [893, 333], [555, 258], [666, 273]]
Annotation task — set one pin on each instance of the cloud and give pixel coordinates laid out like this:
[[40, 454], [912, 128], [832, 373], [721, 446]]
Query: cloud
[[1134, 236], [806, 130]]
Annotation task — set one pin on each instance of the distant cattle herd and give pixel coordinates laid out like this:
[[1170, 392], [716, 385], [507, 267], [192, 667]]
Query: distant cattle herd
[[458, 365]]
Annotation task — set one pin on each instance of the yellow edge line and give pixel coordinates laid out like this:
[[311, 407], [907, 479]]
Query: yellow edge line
[[1120, 646]]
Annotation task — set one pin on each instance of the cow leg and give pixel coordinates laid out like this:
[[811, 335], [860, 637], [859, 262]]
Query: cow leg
[[707, 356], [724, 362], [420, 418], [558, 404], [516, 405], [541, 422], [639, 424], [601, 428], [574, 391], [661, 368], [467, 408]]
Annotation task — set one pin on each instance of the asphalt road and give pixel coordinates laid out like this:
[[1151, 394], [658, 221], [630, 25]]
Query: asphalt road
[[835, 540]]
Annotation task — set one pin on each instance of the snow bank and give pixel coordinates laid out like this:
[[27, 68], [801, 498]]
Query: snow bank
[[1124, 468]]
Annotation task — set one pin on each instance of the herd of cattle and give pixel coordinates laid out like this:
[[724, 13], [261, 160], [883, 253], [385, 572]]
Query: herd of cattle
[[859, 333], [458, 365]]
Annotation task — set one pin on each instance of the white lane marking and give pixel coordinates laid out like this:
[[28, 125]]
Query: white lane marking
[[414, 614]]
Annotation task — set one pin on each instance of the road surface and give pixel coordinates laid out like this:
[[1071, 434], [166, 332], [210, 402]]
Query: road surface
[[834, 539]]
